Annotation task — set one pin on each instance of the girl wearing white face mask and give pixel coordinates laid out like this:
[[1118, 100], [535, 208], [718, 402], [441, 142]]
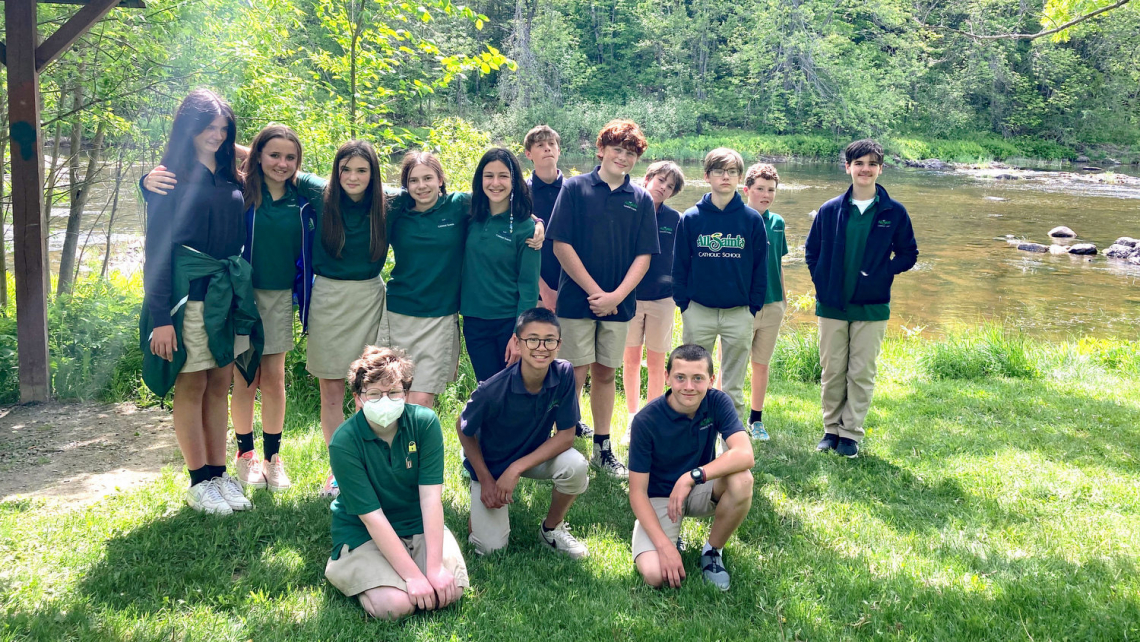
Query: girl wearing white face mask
[[390, 548]]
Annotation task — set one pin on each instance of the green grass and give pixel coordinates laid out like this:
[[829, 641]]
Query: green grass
[[985, 507]]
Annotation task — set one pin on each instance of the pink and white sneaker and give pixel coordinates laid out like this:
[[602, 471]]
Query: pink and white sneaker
[[250, 472], [275, 478]]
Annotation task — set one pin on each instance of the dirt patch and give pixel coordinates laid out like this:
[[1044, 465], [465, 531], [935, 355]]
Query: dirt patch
[[78, 453]]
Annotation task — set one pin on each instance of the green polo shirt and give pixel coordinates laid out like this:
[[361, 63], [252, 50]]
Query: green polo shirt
[[777, 249], [373, 475], [500, 273], [858, 229], [355, 262], [428, 249], [277, 240]]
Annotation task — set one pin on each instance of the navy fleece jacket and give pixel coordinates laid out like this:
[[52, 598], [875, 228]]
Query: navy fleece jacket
[[720, 257], [891, 249]]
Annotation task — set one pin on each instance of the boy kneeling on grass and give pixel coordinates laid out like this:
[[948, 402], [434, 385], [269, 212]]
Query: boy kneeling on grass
[[505, 430], [673, 474], [390, 547]]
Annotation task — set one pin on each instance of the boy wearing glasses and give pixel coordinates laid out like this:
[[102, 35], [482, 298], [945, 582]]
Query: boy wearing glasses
[[720, 271], [505, 430]]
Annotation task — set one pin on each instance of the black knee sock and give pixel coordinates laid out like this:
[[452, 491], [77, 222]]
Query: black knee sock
[[755, 415], [600, 439], [244, 442], [199, 475], [215, 471], [272, 445]]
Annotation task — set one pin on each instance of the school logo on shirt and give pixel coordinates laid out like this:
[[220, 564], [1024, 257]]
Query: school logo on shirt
[[445, 222], [717, 242], [706, 423], [884, 222], [503, 235], [630, 205], [665, 229]]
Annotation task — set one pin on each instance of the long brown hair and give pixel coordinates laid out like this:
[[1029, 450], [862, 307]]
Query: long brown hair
[[411, 159], [251, 167], [194, 115], [332, 222]]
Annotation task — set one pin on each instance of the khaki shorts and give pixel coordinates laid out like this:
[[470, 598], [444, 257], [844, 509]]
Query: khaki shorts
[[344, 316], [491, 527], [586, 341], [276, 310], [699, 503], [431, 342], [765, 330], [197, 343], [652, 325], [365, 567]]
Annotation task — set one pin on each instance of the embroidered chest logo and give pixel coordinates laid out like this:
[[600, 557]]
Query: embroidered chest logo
[[445, 222], [503, 235], [718, 241], [665, 229], [883, 222], [629, 206], [706, 423]]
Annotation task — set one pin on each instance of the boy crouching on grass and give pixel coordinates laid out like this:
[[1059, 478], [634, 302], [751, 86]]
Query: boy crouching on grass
[[505, 432], [760, 182], [673, 473], [858, 243], [390, 547]]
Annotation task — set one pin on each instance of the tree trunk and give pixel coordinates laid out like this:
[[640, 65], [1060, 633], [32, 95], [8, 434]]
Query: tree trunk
[[79, 188], [3, 206], [111, 222]]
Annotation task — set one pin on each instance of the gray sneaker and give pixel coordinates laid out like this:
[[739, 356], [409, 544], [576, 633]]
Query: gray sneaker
[[712, 568], [605, 461]]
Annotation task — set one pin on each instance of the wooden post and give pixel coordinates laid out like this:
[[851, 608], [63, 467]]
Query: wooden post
[[27, 200]]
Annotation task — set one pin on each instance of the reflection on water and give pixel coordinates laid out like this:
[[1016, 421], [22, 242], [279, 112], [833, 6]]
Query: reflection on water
[[966, 273]]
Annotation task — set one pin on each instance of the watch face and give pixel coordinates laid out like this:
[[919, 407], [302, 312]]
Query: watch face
[[695, 473]]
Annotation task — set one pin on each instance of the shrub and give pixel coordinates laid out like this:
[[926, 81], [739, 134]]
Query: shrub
[[797, 356], [990, 351]]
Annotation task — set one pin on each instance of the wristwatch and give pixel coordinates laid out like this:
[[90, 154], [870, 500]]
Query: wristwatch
[[698, 475]]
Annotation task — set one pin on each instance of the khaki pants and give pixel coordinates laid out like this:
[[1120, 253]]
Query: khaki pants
[[847, 352], [699, 503], [365, 567], [491, 527], [702, 325]]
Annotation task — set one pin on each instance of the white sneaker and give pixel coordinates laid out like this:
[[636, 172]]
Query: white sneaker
[[275, 478], [231, 491], [250, 472], [204, 497], [605, 461], [560, 539]]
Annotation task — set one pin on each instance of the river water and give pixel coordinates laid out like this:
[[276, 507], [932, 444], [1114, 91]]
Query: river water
[[966, 273]]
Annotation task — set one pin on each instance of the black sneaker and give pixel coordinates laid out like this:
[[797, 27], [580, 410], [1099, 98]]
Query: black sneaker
[[605, 461], [583, 430], [829, 442], [849, 448]]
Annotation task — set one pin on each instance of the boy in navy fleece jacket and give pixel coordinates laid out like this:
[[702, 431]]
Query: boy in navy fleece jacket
[[857, 244], [720, 271]]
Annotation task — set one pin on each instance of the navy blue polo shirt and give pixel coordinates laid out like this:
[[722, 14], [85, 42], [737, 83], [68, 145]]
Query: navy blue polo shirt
[[658, 281], [510, 422], [608, 229], [667, 444], [544, 195]]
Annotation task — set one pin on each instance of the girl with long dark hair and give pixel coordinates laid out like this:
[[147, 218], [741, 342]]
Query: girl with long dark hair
[[500, 272], [198, 312]]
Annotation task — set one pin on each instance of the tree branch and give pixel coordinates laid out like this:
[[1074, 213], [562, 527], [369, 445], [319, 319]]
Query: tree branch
[[1039, 34]]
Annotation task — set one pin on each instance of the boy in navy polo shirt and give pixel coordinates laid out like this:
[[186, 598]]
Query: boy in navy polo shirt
[[849, 254], [673, 473], [604, 230], [543, 146], [720, 271], [652, 323], [505, 432]]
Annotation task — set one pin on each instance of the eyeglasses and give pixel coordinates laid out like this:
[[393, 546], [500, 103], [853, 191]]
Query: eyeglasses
[[532, 343], [377, 395], [721, 173]]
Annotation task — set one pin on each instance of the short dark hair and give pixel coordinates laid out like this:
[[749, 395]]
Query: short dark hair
[[536, 315], [861, 148], [539, 134], [689, 352], [666, 170], [724, 158]]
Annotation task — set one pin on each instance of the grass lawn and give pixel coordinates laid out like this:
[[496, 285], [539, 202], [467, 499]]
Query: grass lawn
[[988, 508]]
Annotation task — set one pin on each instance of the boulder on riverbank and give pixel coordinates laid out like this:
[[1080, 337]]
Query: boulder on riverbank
[[929, 163], [1086, 249], [1033, 247], [1062, 232], [1118, 251], [1127, 241]]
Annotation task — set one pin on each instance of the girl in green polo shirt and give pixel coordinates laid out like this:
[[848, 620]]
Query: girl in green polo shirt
[[500, 272], [427, 227]]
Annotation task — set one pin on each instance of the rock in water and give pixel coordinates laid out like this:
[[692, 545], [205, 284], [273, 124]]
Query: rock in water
[[1033, 247], [1062, 232], [1119, 251], [1082, 159], [1126, 240], [813, 213], [1082, 248], [1058, 249]]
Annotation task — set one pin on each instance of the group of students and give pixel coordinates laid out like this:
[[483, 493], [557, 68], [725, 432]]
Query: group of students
[[555, 278]]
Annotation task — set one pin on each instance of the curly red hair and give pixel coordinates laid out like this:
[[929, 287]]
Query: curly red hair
[[623, 133]]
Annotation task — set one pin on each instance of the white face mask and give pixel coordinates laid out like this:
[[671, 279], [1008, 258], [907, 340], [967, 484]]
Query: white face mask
[[383, 411]]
